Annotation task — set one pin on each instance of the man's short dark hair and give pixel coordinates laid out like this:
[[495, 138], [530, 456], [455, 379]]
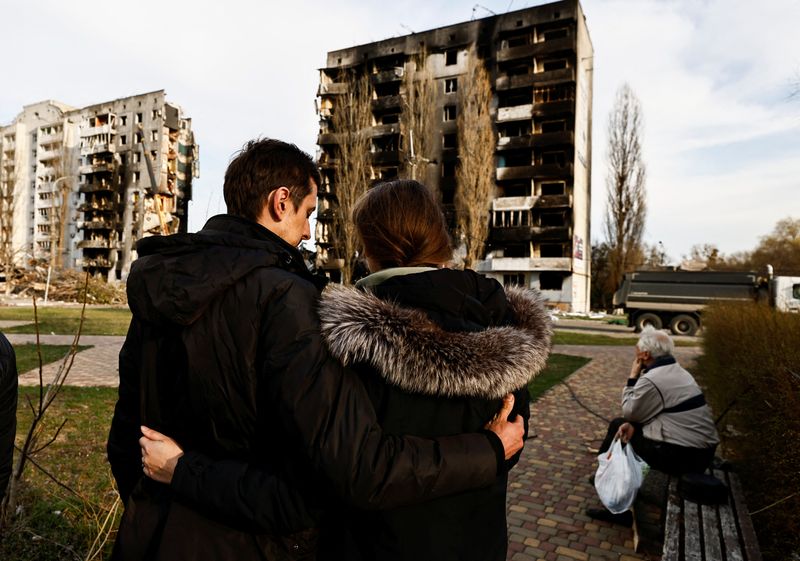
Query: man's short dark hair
[[262, 166]]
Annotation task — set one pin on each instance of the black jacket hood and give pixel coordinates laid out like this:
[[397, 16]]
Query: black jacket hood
[[175, 277]]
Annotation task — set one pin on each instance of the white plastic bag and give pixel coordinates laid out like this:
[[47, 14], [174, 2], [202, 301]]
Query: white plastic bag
[[618, 477]]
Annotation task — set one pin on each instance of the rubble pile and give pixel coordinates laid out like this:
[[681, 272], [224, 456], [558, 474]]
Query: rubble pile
[[65, 286]]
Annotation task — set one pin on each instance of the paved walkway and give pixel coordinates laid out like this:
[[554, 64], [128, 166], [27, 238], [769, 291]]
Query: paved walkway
[[93, 367], [548, 489]]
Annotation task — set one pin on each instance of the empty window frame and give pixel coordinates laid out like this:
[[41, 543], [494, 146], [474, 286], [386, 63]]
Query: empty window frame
[[516, 189], [137, 118], [448, 169], [553, 188], [514, 279], [553, 64], [551, 250], [551, 280], [552, 34], [552, 219], [451, 85], [557, 158], [449, 112], [451, 57], [557, 125], [516, 128], [449, 141]]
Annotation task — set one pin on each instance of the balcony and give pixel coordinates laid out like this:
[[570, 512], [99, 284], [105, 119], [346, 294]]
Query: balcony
[[544, 78], [386, 76], [97, 244], [522, 264], [101, 167], [516, 234], [535, 49], [515, 172], [553, 201], [95, 225], [552, 138], [95, 131], [100, 263], [98, 148], [97, 207], [387, 102], [515, 113], [546, 108], [513, 203], [552, 170], [385, 130], [97, 187], [512, 142], [333, 88], [51, 138], [47, 155]]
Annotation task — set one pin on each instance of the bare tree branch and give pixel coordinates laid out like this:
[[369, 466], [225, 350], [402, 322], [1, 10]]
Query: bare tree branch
[[418, 114]]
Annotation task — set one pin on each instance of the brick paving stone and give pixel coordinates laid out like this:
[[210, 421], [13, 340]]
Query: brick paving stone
[[550, 480]]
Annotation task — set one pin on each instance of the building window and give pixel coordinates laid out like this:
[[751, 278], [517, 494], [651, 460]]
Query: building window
[[551, 250], [549, 280], [552, 219], [554, 158], [136, 177], [448, 169], [138, 118], [137, 138], [137, 157], [514, 279], [555, 34], [449, 112], [553, 126], [154, 115], [123, 140], [449, 140], [554, 65], [451, 85], [153, 135], [124, 120], [451, 57], [553, 188]]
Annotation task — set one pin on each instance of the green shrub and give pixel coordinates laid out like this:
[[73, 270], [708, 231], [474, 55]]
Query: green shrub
[[751, 367]]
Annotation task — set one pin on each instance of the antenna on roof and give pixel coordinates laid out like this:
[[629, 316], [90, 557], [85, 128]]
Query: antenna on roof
[[509, 5], [476, 6], [404, 26]]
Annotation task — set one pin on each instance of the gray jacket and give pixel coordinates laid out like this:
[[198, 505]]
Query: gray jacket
[[670, 405]]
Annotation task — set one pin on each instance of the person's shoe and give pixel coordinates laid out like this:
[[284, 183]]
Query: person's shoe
[[623, 519]]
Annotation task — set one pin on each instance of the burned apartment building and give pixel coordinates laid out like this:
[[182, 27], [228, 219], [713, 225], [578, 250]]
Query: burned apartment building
[[79, 186], [540, 63]]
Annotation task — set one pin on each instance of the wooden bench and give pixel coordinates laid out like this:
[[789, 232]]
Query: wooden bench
[[695, 532]]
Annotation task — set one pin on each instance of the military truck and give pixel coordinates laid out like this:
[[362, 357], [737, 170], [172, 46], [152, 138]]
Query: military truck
[[675, 299]]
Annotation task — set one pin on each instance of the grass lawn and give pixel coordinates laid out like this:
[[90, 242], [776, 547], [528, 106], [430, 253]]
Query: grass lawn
[[65, 321], [558, 367], [57, 523], [574, 338], [28, 358]]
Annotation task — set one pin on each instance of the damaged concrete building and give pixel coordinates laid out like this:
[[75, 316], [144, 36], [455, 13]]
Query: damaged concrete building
[[79, 186], [540, 63]]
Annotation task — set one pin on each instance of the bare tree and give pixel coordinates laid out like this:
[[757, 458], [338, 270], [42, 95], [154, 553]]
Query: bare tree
[[418, 114], [626, 203], [475, 172], [352, 120], [8, 182]]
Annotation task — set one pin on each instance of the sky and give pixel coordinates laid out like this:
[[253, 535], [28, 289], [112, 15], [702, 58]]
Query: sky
[[721, 137]]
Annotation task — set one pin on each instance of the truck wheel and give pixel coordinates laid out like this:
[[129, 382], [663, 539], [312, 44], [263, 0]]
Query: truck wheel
[[683, 325], [647, 319]]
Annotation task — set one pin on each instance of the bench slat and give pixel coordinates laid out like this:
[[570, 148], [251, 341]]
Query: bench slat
[[730, 534], [692, 548], [745, 524], [711, 538], [672, 543]]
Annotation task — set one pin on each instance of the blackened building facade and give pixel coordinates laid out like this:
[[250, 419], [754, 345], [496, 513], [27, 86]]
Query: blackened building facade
[[540, 60]]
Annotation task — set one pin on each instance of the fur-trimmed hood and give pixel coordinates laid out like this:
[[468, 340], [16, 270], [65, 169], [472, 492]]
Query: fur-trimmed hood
[[413, 353]]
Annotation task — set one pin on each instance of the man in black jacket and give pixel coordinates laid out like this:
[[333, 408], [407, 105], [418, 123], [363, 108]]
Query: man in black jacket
[[224, 354], [8, 410]]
